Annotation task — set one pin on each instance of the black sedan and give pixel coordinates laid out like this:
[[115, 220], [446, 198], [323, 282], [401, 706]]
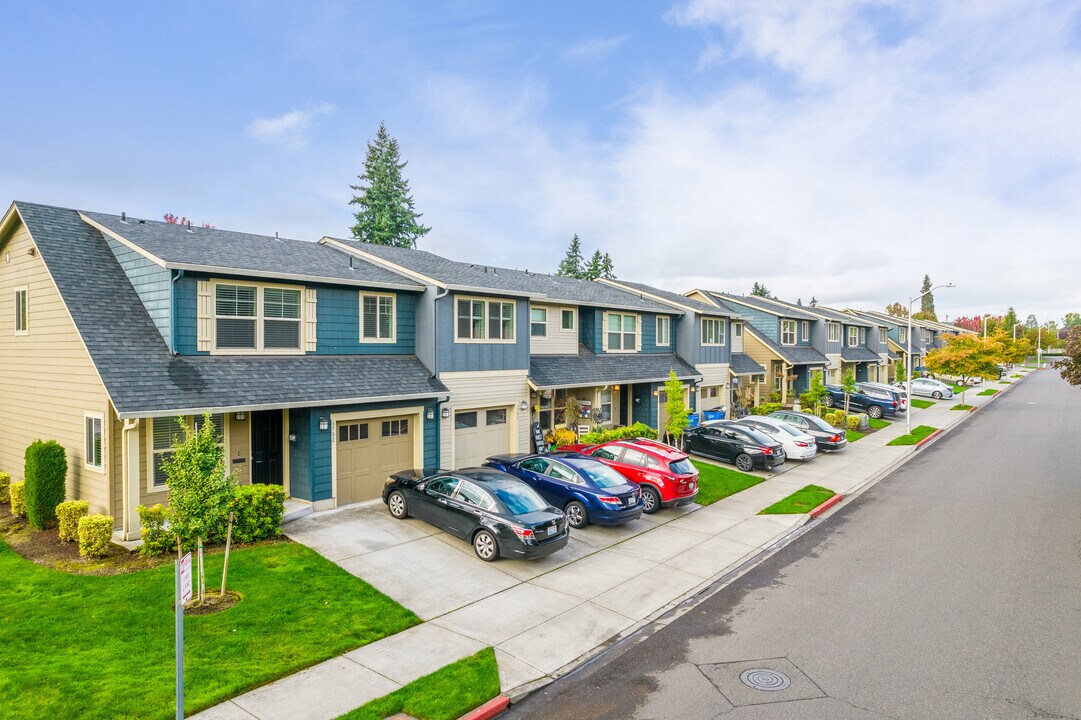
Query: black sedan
[[748, 449], [826, 436], [500, 515]]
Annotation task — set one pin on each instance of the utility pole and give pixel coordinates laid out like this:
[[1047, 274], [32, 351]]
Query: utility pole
[[908, 378]]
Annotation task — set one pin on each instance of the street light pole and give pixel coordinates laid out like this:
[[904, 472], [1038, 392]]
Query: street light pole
[[908, 377]]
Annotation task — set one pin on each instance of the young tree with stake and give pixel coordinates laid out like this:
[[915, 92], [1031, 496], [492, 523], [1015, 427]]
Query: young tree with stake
[[675, 409]]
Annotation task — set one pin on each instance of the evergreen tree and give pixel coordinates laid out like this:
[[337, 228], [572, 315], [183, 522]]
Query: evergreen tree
[[760, 290], [1010, 321], [608, 268], [572, 265], [595, 268], [927, 302], [386, 215]]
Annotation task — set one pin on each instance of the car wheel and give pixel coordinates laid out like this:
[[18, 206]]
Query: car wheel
[[936, 395], [828, 401], [651, 500], [875, 411], [396, 504], [744, 462], [484, 546], [576, 514]]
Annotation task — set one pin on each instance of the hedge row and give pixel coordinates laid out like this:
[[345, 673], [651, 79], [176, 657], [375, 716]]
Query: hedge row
[[627, 432]]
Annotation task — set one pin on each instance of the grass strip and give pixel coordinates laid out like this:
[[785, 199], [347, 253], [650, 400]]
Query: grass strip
[[878, 424], [961, 406], [988, 391], [921, 404], [918, 433], [958, 389], [716, 483], [802, 501], [446, 694], [853, 436], [1004, 382], [1016, 375]]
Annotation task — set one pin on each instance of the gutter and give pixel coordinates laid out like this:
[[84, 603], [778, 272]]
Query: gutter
[[173, 412]]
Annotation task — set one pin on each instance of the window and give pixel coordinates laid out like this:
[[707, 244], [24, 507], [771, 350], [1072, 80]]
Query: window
[[882, 334], [834, 332], [902, 334], [805, 331], [788, 332], [92, 448], [605, 453], [485, 320], [559, 472], [394, 428], [664, 326], [853, 336], [352, 431], [281, 318], [235, 309], [622, 331], [545, 406], [465, 420], [218, 421], [606, 405], [538, 322], [473, 495], [863, 336], [639, 458], [566, 319], [22, 311], [443, 486], [376, 318], [537, 465], [495, 417], [712, 331], [737, 329], [165, 433]]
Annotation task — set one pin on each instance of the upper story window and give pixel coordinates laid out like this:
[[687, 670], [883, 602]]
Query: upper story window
[[853, 336], [485, 320], [250, 317], [538, 322], [566, 321], [805, 331], [834, 332], [712, 331], [22, 311], [376, 318], [863, 336], [788, 332], [664, 330], [622, 331], [902, 335], [737, 329], [882, 335], [926, 335], [281, 318]]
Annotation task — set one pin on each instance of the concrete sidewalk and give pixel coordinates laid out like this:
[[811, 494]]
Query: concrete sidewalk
[[545, 617]]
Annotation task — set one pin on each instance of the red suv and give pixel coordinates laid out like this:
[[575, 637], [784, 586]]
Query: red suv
[[665, 474]]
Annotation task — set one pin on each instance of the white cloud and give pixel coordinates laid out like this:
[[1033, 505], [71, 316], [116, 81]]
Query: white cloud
[[289, 129], [594, 48]]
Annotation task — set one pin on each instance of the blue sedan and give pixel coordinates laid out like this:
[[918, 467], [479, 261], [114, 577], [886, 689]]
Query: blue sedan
[[587, 490]]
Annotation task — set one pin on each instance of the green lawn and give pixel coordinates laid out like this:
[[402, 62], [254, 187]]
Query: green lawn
[[853, 436], [1004, 382], [801, 501], [1015, 376], [958, 389], [918, 433], [878, 424], [716, 483], [922, 404], [961, 406], [102, 646], [446, 694], [988, 391]]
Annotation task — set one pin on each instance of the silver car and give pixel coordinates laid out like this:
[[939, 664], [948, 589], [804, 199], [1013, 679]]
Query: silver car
[[931, 388]]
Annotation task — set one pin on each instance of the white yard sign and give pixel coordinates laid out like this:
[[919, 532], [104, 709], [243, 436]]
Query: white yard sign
[[185, 579]]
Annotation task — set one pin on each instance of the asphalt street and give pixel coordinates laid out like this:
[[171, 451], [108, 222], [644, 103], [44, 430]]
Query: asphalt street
[[951, 589]]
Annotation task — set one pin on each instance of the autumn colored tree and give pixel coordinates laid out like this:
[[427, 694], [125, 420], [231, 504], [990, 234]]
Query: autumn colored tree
[[973, 323], [966, 356], [1070, 365], [897, 310]]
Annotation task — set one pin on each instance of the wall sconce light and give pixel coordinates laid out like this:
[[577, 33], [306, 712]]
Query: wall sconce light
[[429, 414], [637, 400], [444, 413], [523, 405], [240, 416], [324, 423], [292, 437]]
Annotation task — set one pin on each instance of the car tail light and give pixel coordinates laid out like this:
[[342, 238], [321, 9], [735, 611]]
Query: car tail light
[[800, 443], [765, 450], [835, 438], [522, 533], [609, 499], [894, 403]]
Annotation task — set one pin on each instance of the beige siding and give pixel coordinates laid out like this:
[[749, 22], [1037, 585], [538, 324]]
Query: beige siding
[[496, 388], [558, 341], [701, 297], [765, 357], [718, 376], [47, 380], [238, 441]]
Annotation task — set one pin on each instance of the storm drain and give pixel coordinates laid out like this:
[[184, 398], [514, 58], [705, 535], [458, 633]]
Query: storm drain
[[765, 679]]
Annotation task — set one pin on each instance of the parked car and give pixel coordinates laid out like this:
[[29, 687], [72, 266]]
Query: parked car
[[500, 515], [873, 401], [588, 490], [931, 388], [826, 436], [796, 443], [666, 475], [902, 396], [746, 448]]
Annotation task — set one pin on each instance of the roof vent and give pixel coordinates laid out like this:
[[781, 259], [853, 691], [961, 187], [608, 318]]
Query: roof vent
[[124, 218], [142, 222], [276, 235], [351, 263], [189, 227]]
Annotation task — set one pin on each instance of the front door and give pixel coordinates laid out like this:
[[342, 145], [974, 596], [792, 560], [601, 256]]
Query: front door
[[266, 447]]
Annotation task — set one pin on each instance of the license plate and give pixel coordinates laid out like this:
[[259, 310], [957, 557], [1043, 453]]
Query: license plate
[[551, 531]]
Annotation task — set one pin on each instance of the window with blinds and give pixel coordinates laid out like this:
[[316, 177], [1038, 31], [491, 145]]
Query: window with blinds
[[281, 318], [235, 309], [484, 320], [92, 449], [167, 433], [376, 318]]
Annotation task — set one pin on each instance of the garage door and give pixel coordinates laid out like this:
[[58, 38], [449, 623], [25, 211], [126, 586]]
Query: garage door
[[479, 434], [368, 452]]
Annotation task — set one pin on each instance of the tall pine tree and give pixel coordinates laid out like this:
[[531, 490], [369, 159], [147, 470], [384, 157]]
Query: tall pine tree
[[760, 290], [608, 268], [573, 264], [595, 268], [386, 215], [927, 303]]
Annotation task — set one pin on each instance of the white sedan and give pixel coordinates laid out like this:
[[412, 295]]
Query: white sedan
[[797, 444]]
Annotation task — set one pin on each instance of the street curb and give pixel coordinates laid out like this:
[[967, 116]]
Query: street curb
[[826, 505], [929, 438], [488, 710]]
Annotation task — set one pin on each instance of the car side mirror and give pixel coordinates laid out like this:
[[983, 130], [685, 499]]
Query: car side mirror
[[422, 487]]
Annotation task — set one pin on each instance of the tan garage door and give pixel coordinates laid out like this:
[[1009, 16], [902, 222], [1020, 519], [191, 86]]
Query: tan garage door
[[368, 452], [479, 434]]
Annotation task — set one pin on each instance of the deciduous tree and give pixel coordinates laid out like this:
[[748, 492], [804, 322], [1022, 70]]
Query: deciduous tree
[[966, 356], [848, 385], [386, 214], [897, 310], [1070, 365], [674, 407]]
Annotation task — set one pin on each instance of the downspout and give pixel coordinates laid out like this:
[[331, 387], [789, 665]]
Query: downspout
[[172, 310], [127, 522], [435, 372]]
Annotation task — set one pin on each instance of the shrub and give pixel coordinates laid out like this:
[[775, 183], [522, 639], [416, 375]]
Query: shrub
[[69, 513], [766, 408], [853, 422], [258, 511], [626, 432], [560, 437], [18, 498], [5, 483], [834, 418], [46, 472], [157, 538], [95, 535]]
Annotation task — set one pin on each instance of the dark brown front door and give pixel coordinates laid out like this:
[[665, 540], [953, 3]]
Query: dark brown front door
[[266, 447]]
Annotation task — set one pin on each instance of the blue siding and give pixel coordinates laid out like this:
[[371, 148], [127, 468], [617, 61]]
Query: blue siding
[[589, 328], [763, 322], [453, 356], [712, 354], [338, 324], [803, 379], [152, 283], [185, 315], [649, 334], [643, 404], [861, 372], [300, 454]]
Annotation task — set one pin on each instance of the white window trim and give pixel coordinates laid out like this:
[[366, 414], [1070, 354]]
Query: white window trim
[[533, 322], [259, 319], [151, 488], [852, 330], [486, 340], [574, 319], [863, 336], [637, 333], [737, 329], [902, 335], [667, 322], [393, 318], [794, 336], [805, 330], [104, 447], [721, 334], [25, 290]]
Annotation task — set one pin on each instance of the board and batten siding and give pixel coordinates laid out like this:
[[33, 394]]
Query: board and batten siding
[[152, 283], [768, 324], [470, 390], [47, 380], [557, 341], [713, 354], [453, 356], [338, 313]]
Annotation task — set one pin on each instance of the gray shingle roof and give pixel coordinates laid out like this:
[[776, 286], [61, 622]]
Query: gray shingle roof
[[245, 253], [842, 317], [677, 299], [588, 368], [743, 364], [540, 286], [143, 378], [858, 354], [792, 354], [779, 308]]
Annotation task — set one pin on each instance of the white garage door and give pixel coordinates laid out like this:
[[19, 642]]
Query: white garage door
[[368, 451], [479, 434]]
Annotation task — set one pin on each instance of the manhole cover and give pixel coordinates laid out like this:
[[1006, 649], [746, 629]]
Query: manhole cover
[[765, 679]]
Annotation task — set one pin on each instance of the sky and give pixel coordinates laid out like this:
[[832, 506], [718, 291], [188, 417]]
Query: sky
[[837, 149]]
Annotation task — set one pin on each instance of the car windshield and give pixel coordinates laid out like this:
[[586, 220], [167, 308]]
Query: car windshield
[[789, 430], [603, 475], [682, 467], [520, 499], [819, 423]]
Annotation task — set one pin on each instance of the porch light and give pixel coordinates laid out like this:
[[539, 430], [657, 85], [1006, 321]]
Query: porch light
[[324, 424], [240, 416], [292, 437], [429, 414], [523, 406], [444, 413]]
